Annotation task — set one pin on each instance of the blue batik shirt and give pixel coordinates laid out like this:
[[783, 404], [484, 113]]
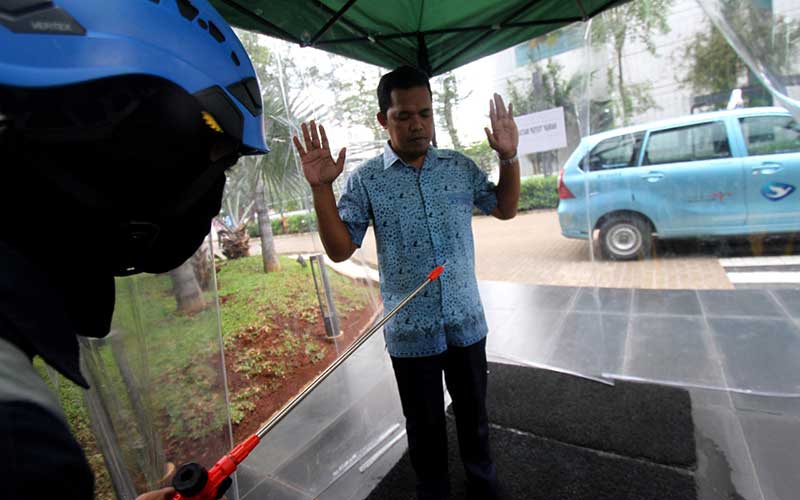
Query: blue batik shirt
[[422, 218]]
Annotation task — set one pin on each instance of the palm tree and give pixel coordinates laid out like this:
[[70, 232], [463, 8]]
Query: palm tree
[[237, 210], [271, 179]]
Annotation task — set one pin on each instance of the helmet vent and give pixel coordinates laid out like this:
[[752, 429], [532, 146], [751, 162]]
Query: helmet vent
[[235, 58], [215, 32], [202, 24], [188, 10], [248, 94]]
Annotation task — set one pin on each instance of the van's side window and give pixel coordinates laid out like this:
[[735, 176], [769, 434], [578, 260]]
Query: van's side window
[[704, 141], [617, 152], [770, 135]]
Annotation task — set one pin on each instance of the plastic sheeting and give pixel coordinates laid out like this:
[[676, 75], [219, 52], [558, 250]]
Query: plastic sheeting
[[158, 396], [764, 35], [690, 338], [718, 189]]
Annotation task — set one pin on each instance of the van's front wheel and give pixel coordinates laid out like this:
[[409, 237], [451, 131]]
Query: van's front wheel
[[625, 237]]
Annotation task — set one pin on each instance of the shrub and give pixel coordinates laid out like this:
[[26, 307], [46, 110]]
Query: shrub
[[538, 192]]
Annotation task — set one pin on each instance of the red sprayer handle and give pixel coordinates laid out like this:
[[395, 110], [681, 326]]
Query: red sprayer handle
[[190, 478]]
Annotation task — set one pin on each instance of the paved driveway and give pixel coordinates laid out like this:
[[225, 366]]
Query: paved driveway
[[530, 249]]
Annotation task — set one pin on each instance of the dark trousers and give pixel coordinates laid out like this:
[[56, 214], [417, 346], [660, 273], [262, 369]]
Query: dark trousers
[[420, 383]]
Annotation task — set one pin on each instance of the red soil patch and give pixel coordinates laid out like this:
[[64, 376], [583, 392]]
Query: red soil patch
[[276, 390]]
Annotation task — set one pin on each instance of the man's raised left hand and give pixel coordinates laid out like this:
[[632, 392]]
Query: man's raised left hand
[[504, 136]]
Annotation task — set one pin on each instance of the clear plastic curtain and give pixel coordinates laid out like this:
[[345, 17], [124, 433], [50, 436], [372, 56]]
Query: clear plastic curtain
[[704, 168], [305, 315], [158, 394], [560, 328], [764, 34], [649, 319]]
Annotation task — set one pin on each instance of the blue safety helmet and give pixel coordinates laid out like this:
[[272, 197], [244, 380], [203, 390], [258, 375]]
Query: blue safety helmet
[[128, 113], [185, 42]]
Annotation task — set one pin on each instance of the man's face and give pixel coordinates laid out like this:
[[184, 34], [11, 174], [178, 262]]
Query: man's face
[[409, 121]]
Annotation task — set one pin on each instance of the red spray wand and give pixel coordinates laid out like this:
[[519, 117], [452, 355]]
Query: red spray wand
[[193, 482]]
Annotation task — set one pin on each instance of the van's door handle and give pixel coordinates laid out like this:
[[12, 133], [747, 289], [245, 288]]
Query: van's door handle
[[768, 168], [653, 176]]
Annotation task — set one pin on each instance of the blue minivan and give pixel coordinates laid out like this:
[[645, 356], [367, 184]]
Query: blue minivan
[[713, 174]]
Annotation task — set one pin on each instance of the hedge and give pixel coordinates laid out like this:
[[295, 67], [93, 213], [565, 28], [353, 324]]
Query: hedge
[[538, 192], [535, 192], [298, 223]]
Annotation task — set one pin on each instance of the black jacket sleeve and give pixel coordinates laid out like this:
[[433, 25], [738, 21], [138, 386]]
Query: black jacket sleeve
[[39, 457]]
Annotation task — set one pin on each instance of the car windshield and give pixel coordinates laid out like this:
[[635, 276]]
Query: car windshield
[[616, 152]]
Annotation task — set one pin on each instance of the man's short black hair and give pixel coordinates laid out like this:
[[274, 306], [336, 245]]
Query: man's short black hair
[[404, 77]]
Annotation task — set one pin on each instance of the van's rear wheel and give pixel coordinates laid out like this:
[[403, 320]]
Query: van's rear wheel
[[625, 237]]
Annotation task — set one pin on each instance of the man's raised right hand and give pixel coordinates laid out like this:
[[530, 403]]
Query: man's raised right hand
[[318, 165]]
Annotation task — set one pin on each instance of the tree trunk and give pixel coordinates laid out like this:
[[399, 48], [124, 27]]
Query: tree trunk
[[623, 96], [202, 266], [449, 95], [187, 292], [268, 254]]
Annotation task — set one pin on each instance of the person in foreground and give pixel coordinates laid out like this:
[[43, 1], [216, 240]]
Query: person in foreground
[[116, 129], [419, 200]]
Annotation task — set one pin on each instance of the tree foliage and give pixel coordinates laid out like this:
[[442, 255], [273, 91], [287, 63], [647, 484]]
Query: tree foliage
[[482, 154], [633, 21], [259, 182], [355, 101], [547, 88], [714, 67], [445, 99]]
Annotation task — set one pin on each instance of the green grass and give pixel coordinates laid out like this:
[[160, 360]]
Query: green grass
[[250, 363], [172, 352], [254, 301]]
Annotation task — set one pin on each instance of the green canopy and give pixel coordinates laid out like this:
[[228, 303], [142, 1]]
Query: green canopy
[[435, 35]]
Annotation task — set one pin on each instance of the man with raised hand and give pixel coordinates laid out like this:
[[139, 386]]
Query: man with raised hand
[[419, 200]]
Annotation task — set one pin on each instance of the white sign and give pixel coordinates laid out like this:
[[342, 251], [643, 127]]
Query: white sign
[[541, 131]]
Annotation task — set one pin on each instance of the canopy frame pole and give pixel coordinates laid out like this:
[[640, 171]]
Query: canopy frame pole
[[445, 31], [423, 61], [367, 37], [583, 11], [331, 22], [480, 38], [257, 18]]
